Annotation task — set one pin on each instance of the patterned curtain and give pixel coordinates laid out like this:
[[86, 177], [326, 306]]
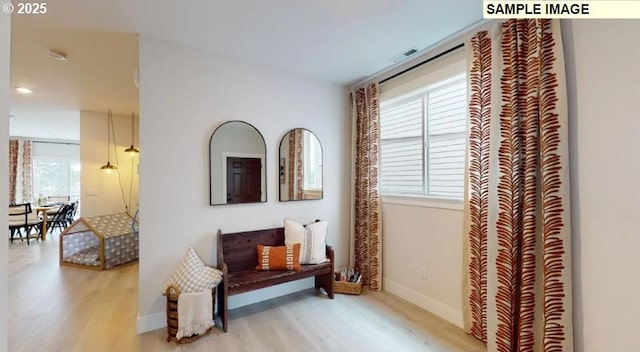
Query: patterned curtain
[[26, 168], [519, 238], [20, 171], [296, 165], [14, 146], [299, 163], [367, 213]]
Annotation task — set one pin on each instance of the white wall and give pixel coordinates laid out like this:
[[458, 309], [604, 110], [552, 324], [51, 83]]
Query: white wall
[[423, 237], [603, 83], [416, 237], [100, 191], [5, 39], [184, 95]]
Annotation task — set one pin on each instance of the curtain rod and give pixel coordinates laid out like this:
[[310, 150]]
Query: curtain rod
[[48, 142], [423, 62]]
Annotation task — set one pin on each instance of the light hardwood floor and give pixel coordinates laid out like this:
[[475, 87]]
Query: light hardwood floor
[[53, 308]]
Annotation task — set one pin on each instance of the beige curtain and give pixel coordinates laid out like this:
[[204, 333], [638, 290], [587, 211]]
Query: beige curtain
[[20, 171], [518, 286], [367, 236], [296, 165]]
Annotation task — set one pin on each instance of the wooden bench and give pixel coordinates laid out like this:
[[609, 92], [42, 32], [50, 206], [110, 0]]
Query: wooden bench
[[237, 258]]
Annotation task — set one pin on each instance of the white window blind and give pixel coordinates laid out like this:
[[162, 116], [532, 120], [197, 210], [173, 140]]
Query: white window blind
[[423, 140], [401, 156]]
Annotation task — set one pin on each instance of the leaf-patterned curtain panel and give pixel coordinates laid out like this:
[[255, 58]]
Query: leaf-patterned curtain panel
[[367, 235], [518, 279]]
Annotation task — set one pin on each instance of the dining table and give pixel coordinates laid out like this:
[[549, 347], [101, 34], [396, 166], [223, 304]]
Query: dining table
[[44, 209]]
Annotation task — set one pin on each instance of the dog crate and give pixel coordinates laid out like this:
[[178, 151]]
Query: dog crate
[[99, 242]]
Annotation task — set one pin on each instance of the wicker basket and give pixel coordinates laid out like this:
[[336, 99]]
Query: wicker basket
[[350, 288], [172, 315]]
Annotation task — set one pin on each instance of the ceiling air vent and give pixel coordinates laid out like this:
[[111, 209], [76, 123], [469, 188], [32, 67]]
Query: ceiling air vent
[[405, 54]]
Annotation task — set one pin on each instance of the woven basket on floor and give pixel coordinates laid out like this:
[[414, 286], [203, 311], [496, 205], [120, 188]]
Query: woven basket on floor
[[350, 288], [172, 315]]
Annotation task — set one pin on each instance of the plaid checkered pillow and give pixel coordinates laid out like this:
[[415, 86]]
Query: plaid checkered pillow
[[192, 275]]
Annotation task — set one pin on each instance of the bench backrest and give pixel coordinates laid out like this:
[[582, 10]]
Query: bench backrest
[[239, 249]]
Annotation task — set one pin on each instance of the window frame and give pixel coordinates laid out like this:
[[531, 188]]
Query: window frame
[[426, 199], [423, 201]]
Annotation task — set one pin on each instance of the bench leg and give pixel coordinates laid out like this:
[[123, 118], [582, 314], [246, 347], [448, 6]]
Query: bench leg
[[325, 281], [222, 307]]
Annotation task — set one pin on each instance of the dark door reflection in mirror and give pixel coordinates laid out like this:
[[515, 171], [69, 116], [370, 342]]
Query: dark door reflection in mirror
[[300, 166], [237, 168]]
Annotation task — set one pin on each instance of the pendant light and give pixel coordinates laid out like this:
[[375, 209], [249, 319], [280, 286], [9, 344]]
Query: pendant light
[[108, 167], [132, 150]]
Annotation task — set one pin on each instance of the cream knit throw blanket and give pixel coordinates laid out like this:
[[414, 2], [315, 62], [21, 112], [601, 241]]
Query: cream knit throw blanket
[[195, 313]]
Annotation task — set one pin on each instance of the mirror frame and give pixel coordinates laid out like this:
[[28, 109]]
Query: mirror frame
[[264, 165], [282, 140]]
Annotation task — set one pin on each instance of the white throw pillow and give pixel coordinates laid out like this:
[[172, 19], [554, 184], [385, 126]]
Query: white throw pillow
[[312, 239], [192, 275]]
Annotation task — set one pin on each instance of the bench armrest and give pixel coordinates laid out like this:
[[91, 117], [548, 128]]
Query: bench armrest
[[221, 263], [330, 253], [225, 270], [225, 276], [220, 251]]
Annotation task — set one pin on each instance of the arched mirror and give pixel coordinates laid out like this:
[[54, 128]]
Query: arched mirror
[[300, 166], [237, 168]]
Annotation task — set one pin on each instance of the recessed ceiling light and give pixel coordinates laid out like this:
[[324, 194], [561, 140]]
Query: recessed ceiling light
[[24, 90], [58, 55]]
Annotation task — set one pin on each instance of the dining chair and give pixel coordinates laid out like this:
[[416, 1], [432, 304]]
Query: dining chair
[[22, 217], [60, 218], [71, 214]]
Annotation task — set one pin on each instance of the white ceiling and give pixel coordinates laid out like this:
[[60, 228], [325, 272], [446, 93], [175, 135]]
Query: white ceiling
[[97, 75], [45, 124], [340, 41]]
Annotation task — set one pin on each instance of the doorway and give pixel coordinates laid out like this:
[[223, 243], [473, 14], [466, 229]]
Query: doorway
[[72, 76]]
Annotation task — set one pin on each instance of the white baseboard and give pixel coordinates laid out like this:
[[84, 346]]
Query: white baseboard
[[427, 303], [151, 322]]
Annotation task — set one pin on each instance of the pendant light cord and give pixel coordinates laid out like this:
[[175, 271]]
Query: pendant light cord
[[109, 130], [133, 140], [113, 133], [131, 182]]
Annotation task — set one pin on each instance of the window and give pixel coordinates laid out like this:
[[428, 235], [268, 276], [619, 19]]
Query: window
[[423, 137], [56, 177]]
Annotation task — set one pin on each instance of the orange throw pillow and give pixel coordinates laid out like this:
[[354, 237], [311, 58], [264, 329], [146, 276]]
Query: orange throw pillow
[[278, 258]]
